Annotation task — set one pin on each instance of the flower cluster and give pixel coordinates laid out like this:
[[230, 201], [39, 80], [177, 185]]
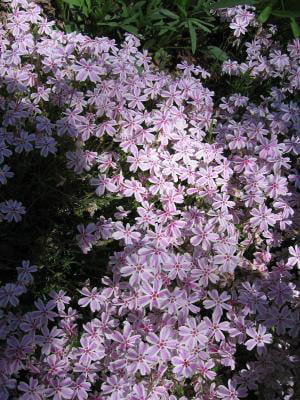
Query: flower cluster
[[240, 18], [202, 299]]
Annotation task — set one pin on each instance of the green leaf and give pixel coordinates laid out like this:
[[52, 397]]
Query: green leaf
[[112, 24], [182, 10], [199, 21], [286, 13], [69, 28], [231, 3], [168, 13], [88, 4], [217, 53], [201, 25], [130, 28], [193, 36], [295, 28], [264, 15], [76, 3]]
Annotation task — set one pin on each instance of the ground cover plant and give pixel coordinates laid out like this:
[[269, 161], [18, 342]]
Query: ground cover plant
[[170, 29], [192, 199]]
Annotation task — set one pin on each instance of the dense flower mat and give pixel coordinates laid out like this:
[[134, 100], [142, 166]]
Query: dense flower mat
[[203, 301]]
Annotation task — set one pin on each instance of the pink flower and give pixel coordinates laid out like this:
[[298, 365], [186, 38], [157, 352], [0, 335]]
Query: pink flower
[[128, 233], [24, 272], [87, 69], [114, 386], [184, 364], [134, 188], [136, 269], [140, 359], [232, 392], [218, 303], [5, 173], [194, 333], [44, 311], [102, 183], [154, 296], [12, 210], [226, 258], [215, 327], [163, 344], [259, 338], [295, 253], [87, 237], [32, 390], [9, 294], [205, 369], [204, 234], [90, 350], [91, 298], [125, 340], [60, 388], [262, 217], [177, 266], [60, 299], [81, 388]]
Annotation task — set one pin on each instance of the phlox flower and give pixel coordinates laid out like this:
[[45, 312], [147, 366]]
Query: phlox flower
[[153, 255], [5, 174], [18, 349], [134, 188], [232, 392], [128, 233], [126, 339], [102, 183], [226, 258], [281, 319], [262, 217], [12, 210], [90, 350], [140, 359], [23, 142], [9, 294], [205, 272], [81, 388], [136, 269], [139, 392], [193, 333], [60, 388], [115, 387], [205, 369], [50, 341], [60, 299], [295, 256], [184, 364], [32, 390], [87, 69], [217, 302], [215, 328], [87, 237], [44, 312], [46, 145], [204, 235], [92, 298], [25, 271], [163, 344], [154, 296], [258, 339], [177, 266]]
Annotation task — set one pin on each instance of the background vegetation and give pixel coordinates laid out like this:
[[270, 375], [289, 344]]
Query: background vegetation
[[170, 31]]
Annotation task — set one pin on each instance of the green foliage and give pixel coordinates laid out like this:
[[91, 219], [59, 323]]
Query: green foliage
[[231, 3], [160, 24], [56, 201]]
